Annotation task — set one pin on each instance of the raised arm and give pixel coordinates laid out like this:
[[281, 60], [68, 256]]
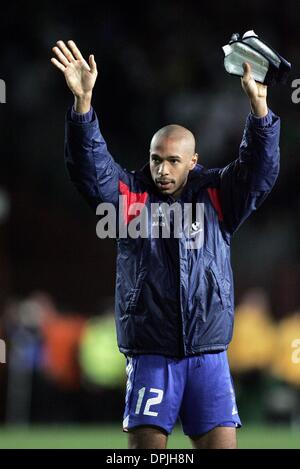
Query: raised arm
[[246, 182], [90, 165]]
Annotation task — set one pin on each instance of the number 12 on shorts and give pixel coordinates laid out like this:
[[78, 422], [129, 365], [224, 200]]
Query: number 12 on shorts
[[150, 402]]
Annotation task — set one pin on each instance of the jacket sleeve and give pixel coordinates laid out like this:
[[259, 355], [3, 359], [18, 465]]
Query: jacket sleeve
[[89, 164], [246, 182]]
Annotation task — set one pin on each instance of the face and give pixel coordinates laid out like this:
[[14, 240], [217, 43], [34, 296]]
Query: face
[[171, 160]]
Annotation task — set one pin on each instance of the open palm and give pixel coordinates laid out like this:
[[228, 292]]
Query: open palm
[[80, 75]]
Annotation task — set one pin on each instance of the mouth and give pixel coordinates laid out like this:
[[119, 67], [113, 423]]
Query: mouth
[[164, 184]]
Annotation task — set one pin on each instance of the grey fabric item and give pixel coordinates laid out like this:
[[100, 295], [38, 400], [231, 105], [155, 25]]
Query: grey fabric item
[[268, 66]]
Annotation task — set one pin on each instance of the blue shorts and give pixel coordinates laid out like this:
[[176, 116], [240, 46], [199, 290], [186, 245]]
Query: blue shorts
[[196, 390]]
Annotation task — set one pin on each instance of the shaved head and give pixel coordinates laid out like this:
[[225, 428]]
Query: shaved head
[[175, 132], [172, 157]]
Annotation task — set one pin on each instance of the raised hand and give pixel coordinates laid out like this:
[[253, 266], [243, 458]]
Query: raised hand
[[256, 92], [80, 75]]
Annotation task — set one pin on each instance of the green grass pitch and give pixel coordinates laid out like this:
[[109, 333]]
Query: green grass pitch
[[111, 437]]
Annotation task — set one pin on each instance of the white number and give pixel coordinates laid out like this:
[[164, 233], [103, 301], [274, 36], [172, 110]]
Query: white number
[[140, 400], [153, 401]]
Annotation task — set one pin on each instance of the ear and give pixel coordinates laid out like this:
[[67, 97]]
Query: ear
[[194, 161]]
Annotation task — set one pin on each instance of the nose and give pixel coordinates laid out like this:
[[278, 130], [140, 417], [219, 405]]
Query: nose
[[163, 169]]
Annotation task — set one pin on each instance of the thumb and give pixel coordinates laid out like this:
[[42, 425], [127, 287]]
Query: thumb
[[92, 64], [247, 71]]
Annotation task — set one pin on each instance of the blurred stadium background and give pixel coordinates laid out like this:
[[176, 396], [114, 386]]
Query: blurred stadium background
[[159, 62]]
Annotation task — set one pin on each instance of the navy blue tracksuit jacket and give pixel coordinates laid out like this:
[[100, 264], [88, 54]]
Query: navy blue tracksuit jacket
[[172, 300]]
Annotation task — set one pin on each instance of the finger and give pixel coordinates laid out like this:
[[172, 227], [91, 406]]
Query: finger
[[65, 50], [93, 64], [57, 64], [61, 56], [85, 65], [247, 71], [76, 52]]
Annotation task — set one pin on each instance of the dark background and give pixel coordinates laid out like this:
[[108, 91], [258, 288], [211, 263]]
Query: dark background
[[159, 63]]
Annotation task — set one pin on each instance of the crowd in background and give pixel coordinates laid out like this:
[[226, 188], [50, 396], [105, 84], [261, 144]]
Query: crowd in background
[[63, 366]]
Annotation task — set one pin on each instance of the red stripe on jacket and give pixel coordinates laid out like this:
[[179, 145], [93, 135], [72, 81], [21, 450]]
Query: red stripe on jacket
[[214, 196], [130, 199]]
